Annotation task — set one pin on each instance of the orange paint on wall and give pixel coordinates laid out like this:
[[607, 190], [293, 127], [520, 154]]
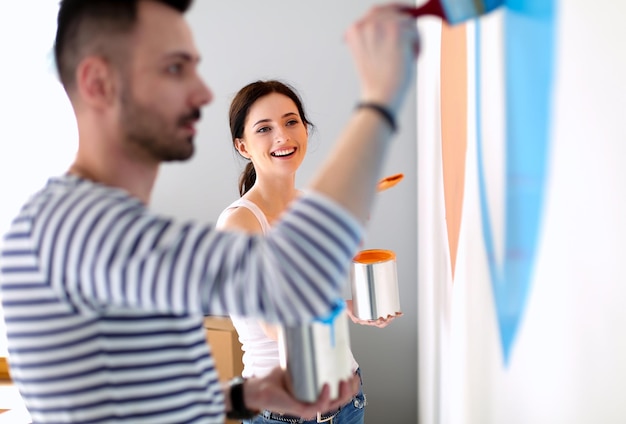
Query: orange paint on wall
[[453, 128]]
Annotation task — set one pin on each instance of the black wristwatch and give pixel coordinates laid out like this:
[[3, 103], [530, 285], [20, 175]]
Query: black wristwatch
[[238, 409]]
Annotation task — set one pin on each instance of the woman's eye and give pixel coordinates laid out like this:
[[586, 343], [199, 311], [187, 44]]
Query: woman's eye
[[263, 129], [292, 122]]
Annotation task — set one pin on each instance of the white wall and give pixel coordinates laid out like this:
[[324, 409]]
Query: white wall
[[39, 136], [567, 361], [301, 42]]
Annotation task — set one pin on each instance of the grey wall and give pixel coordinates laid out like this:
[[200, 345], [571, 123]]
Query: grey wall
[[301, 42]]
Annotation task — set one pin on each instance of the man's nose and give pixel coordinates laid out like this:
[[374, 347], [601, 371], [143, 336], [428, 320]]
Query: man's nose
[[202, 95]]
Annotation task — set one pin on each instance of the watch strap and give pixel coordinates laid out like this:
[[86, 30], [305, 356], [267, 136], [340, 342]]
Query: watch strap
[[238, 409]]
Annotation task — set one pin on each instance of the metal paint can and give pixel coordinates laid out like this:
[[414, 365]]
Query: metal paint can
[[374, 284], [317, 353]]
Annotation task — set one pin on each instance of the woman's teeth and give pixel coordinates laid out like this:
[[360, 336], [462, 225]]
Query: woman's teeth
[[283, 152]]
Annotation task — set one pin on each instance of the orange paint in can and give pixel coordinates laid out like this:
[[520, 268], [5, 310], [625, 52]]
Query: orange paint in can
[[373, 256]]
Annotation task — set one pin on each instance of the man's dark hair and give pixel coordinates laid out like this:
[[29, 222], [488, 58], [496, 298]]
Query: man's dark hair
[[92, 27]]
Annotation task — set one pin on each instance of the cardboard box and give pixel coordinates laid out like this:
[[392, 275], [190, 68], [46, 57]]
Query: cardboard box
[[4, 369], [225, 347]]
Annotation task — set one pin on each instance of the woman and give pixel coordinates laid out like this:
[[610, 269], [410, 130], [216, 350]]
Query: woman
[[269, 128]]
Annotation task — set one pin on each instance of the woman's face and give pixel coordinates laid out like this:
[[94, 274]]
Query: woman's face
[[274, 138]]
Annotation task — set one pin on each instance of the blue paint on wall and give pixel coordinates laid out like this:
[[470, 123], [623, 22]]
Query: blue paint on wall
[[529, 57]]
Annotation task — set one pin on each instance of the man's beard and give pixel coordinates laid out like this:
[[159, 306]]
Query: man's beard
[[145, 129]]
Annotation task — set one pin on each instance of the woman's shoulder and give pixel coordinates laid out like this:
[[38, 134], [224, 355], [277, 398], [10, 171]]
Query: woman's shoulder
[[239, 216]]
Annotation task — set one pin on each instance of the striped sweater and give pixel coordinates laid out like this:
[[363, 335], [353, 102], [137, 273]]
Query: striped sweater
[[104, 300]]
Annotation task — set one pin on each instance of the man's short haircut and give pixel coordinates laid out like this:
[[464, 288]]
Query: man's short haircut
[[86, 27]]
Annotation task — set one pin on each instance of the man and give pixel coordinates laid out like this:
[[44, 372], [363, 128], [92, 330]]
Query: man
[[104, 300]]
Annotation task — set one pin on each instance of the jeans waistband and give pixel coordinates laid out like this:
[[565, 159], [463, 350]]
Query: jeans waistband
[[321, 418]]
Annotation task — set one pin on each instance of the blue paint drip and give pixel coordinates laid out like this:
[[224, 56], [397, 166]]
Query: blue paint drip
[[529, 43], [329, 319]]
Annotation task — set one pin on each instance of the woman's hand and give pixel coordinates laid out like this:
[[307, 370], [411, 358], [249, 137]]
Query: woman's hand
[[380, 322]]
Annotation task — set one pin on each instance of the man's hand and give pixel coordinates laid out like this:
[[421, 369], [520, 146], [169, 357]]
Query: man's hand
[[271, 392], [384, 44]]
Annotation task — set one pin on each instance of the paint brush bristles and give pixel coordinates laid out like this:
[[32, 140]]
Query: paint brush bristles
[[454, 11], [458, 11]]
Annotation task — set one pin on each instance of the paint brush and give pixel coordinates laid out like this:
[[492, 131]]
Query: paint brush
[[453, 11]]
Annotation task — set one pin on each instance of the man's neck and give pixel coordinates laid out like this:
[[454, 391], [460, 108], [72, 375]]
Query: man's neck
[[137, 179], [102, 158]]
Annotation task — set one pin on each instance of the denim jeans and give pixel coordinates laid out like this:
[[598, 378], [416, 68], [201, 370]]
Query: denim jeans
[[352, 412]]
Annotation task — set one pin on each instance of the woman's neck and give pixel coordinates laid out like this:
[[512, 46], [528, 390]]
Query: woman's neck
[[273, 196]]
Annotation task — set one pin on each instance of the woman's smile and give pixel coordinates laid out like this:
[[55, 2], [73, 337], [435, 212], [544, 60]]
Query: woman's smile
[[285, 152]]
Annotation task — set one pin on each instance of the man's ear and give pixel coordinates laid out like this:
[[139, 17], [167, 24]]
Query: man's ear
[[240, 145], [95, 81]]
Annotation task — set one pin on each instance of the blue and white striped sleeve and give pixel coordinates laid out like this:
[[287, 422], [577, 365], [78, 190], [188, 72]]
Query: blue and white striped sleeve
[[100, 250]]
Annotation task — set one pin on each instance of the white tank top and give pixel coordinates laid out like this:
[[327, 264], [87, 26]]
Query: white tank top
[[260, 353]]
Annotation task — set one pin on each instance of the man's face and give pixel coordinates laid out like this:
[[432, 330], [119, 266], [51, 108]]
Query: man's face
[[161, 93]]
